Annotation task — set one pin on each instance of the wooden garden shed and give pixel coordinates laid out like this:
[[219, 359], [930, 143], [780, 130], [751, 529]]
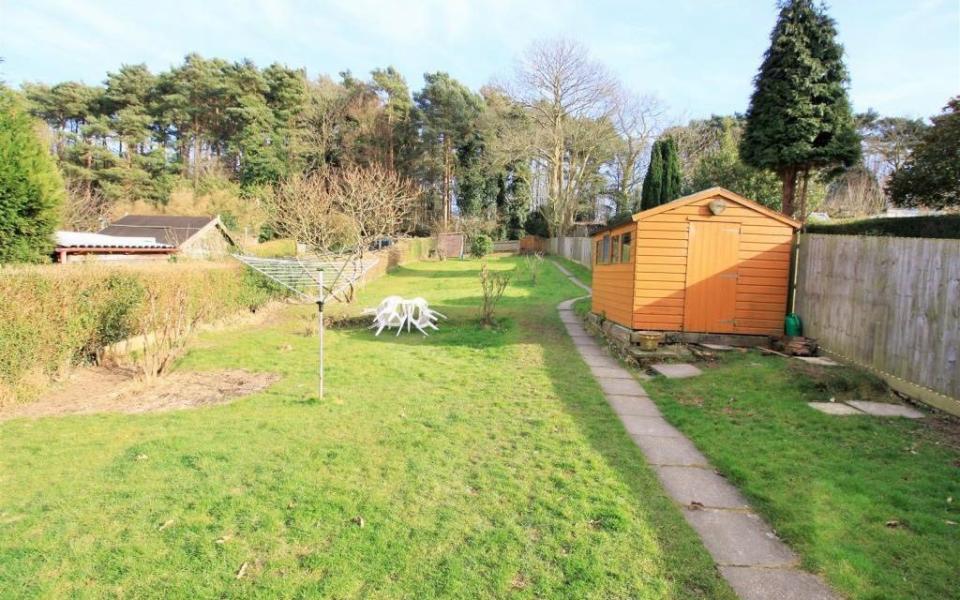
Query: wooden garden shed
[[711, 262]]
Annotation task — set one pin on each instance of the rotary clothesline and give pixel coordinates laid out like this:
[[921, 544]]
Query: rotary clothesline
[[316, 278]]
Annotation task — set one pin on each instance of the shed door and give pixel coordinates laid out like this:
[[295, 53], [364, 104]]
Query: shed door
[[710, 301]]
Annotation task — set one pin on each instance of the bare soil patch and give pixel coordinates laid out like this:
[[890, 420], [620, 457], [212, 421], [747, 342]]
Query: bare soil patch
[[98, 389]]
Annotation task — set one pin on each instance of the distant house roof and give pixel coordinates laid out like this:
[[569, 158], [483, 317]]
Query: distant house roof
[[79, 239], [166, 229]]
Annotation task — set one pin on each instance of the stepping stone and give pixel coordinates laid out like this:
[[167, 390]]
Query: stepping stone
[[885, 409], [818, 360], [678, 451], [752, 583], [649, 426], [676, 371], [628, 387], [633, 406], [834, 408], [736, 538], [718, 347], [610, 372], [693, 484]]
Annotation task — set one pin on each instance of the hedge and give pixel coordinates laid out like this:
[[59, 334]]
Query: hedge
[[53, 317], [936, 226]]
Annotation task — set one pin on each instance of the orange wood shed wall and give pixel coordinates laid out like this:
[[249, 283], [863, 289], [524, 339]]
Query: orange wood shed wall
[[660, 270], [613, 284]]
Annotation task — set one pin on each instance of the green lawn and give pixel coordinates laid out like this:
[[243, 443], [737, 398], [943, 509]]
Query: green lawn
[[483, 463], [581, 272], [873, 504]]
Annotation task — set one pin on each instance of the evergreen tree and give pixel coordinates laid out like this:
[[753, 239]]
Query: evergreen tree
[[653, 182], [664, 179], [31, 191], [672, 177], [931, 176], [799, 117]]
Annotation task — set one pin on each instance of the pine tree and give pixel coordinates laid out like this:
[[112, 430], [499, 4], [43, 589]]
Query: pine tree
[[31, 191], [653, 182], [799, 116]]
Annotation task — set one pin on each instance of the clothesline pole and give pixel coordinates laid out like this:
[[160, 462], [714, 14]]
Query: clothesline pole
[[320, 306]]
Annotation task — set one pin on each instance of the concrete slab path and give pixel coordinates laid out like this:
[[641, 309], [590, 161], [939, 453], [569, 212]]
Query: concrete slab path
[[750, 557]]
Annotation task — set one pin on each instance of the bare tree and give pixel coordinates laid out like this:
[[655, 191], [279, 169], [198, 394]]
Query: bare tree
[[856, 193], [85, 208], [348, 208], [638, 120], [563, 90]]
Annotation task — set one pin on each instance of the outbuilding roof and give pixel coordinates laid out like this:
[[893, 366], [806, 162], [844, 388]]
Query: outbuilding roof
[[724, 193], [80, 239], [166, 229]]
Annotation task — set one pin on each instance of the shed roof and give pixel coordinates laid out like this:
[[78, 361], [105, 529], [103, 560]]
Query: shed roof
[[724, 193], [80, 239], [167, 229]]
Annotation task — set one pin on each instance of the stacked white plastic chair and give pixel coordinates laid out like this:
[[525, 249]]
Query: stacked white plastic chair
[[394, 311]]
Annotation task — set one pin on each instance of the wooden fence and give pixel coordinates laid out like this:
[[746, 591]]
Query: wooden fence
[[577, 249], [892, 304]]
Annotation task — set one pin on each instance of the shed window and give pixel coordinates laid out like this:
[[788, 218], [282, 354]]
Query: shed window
[[625, 244], [605, 255], [597, 251], [615, 249]]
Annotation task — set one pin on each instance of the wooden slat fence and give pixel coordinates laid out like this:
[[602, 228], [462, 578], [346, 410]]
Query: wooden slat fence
[[890, 303], [577, 249]]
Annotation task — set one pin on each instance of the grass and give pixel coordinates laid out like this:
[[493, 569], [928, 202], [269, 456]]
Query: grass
[[580, 272], [482, 462], [871, 503]]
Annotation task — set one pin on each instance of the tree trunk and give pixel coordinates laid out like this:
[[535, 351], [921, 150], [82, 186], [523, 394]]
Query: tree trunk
[[788, 176]]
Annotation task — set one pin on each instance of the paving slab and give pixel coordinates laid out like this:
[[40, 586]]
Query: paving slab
[[885, 409], [633, 406], [591, 350], [687, 485], [823, 361], [676, 370], [611, 385], [834, 408], [670, 451], [610, 372], [648, 426], [718, 347], [600, 361], [753, 583], [736, 538]]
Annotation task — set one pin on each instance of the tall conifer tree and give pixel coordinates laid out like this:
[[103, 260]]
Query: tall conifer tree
[[650, 192], [799, 117]]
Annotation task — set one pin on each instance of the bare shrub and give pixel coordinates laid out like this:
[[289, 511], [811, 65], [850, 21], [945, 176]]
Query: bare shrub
[[165, 326], [343, 208], [493, 284], [531, 266]]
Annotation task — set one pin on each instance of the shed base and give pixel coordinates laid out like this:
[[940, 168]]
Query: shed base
[[727, 339]]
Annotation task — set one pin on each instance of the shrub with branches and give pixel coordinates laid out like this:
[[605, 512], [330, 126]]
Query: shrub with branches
[[352, 207], [531, 266], [493, 283]]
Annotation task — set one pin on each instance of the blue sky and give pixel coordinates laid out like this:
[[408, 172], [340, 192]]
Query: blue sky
[[698, 56]]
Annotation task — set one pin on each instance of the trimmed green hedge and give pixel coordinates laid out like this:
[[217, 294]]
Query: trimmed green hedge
[[936, 226]]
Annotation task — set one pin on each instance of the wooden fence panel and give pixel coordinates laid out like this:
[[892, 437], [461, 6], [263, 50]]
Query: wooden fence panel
[[890, 303], [577, 249]]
